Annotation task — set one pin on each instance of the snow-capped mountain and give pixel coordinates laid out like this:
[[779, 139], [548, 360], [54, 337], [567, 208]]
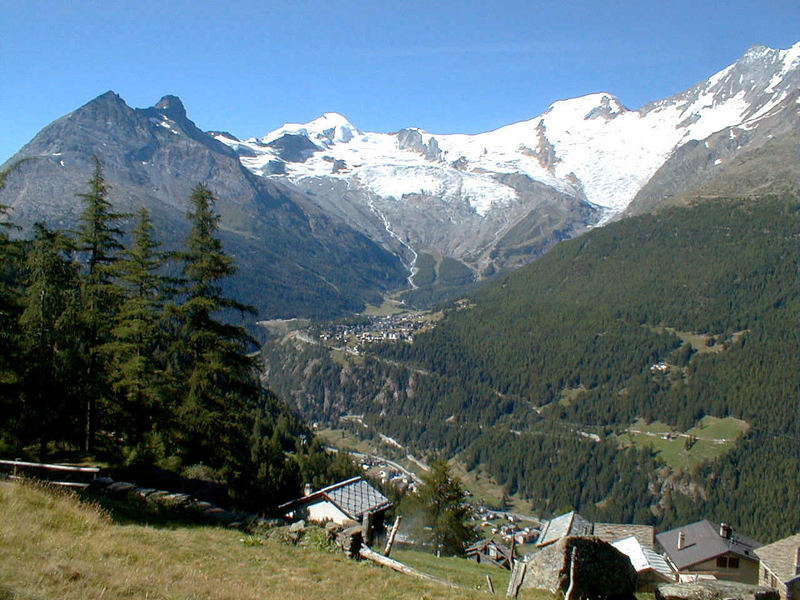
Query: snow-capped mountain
[[590, 149], [307, 199]]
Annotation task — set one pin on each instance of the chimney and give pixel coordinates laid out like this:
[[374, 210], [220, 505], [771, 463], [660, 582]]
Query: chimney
[[681, 540], [725, 531]]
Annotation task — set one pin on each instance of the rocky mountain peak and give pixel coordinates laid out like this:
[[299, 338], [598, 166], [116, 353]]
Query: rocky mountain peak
[[172, 107], [107, 106]]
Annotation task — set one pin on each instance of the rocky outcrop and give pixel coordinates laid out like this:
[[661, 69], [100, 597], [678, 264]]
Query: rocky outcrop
[[714, 590]]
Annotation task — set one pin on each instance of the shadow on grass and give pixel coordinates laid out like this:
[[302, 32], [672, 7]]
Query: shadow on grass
[[127, 512]]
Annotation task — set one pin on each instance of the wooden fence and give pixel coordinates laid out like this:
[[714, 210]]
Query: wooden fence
[[63, 475]]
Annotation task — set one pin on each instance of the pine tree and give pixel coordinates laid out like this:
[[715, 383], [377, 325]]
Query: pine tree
[[48, 327], [138, 342], [9, 314], [444, 514], [98, 239], [220, 386]]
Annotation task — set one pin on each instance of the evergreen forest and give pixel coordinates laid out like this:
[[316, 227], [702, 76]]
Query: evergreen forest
[[115, 351], [665, 318]]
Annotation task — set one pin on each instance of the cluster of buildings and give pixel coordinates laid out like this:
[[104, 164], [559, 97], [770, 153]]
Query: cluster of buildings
[[400, 327], [385, 472], [511, 531], [694, 552]]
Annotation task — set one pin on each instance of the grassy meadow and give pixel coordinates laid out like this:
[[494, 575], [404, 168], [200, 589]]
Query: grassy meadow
[[710, 438], [54, 544]]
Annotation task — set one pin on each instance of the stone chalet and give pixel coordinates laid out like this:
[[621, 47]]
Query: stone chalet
[[490, 552], [573, 524], [705, 550], [780, 567], [342, 503], [566, 525]]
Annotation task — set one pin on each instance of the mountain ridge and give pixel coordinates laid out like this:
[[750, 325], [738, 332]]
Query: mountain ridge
[[290, 252], [492, 201]]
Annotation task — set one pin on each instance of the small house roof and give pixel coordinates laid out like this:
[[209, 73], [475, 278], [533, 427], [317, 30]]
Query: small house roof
[[643, 558], [565, 525], [701, 542], [353, 497], [781, 557], [611, 532], [483, 545]]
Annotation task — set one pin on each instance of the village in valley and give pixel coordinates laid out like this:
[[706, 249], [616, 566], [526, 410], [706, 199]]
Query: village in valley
[[713, 556], [598, 556], [371, 329]]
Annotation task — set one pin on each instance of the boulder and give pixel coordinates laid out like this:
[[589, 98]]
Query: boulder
[[714, 590]]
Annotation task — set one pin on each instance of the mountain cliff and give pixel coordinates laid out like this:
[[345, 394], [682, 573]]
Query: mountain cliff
[[291, 253]]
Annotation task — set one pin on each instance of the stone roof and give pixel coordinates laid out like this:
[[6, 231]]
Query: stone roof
[[611, 532], [643, 558], [483, 548], [781, 557], [701, 542], [353, 497], [569, 524]]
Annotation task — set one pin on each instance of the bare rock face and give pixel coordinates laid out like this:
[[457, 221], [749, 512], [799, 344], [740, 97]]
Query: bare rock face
[[714, 590], [600, 570]]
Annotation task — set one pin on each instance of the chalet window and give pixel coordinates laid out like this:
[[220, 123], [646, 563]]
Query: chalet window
[[727, 562]]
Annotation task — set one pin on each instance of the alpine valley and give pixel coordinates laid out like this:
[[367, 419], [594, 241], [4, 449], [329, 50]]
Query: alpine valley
[[604, 299]]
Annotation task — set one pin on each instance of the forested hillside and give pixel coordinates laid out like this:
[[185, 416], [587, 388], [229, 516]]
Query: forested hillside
[[661, 318]]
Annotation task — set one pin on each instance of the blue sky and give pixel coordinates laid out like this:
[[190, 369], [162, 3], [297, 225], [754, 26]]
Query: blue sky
[[248, 67]]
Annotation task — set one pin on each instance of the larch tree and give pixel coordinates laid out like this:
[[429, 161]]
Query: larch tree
[[48, 324], [138, 345], [441, 510], [220, 388], [98, 240]]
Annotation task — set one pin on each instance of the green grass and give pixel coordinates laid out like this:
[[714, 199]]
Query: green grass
[[701, 342], [343, 359], [569, 395], [712, 437], [55, 545], [460, 571], [485, 490], [390, 306], [714, 428]]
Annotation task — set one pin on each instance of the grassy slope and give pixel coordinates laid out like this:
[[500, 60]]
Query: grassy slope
[[714, 437], [52, 545]]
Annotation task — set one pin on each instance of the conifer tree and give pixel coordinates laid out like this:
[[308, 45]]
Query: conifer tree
[[220, 387], [48, 326], [9, 311], [137, 347], [440, 504], [98, 239]]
